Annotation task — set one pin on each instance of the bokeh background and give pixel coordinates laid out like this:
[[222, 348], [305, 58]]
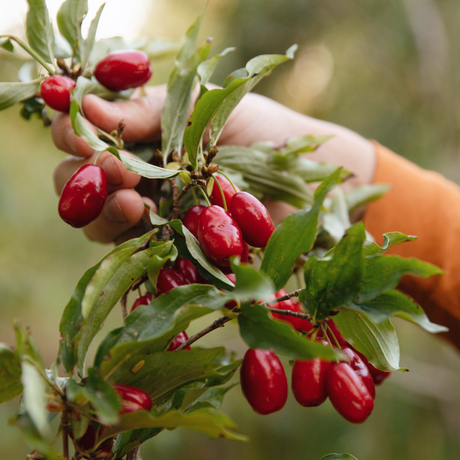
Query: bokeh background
[[386, 69]]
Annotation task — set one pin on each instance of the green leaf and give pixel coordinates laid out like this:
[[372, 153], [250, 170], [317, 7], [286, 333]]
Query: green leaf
[[378, 342], [34, 396], [6, 44], [165, 372], [11, 93], [336, 282], [294, 236], [81, 129], [128, 440], [251, 284], [10, 374], [215, 424], [69, 19], [192, 246], [152, 327], [257, 68], [207, 67], [365, 194], [339, 457], [89, 42], [31, 106], [72, 318], [302, 144], [395, 303], [147, 170], [384, 273], [206, 397], [180, 84], [336, 220], [86, 86], [389, 239], [39, 30], [99, 394], [258, 330]]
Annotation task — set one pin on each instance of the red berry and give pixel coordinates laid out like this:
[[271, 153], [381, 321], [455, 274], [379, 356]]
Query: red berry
[[357, 364], [124, 69], [227, 188], [219, 235], [83, 196], [253, 218], [87, 441], [348, 394], [263, 381], [142, 300], [178, 341], [309, 381], [232, 304], [55, 91], [377, 375], [297, 323], [168, 279], [132, 399], [245, 255], [189, 271], [192, 219]]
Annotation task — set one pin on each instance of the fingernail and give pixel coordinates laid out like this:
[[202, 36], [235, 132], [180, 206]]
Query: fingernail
[[111, 171], [71, 140], [114, 212]]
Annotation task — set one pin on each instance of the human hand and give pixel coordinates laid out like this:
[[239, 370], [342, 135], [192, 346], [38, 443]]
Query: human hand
[[256, 118]]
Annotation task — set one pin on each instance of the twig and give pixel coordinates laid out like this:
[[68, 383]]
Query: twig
[[134, 454], [123, 301], [296, 314], [281, 299], [220, 322], [177, 198], [65, 439]]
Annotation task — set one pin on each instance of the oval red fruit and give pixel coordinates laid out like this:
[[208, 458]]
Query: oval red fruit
[[83, 196], [253, 219], [348, 394], [309, 382], [192, 219], [124, 69], [219, 235], [377, 375], [357, 364], [189, 270], [297, 323], [227, 188], [178, 341], [142, 300], [55, 91], [263, 381], [132, 399], [87, 441], [168, 279]]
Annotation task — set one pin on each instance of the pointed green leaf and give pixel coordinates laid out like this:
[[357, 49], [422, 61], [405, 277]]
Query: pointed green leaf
[[365, 194], [69, 19], [136, 165], [294, 236], [11, 93], [383, 273], [89, 42], [251, 284], [395, 303], [6, 44], [10, 374], [207, 67], [378, 342], [339, 457], [39, 30], [389, 239], [258, 330]]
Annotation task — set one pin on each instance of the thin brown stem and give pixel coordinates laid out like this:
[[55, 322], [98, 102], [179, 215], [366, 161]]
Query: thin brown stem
[[65, 432], [296, 314], [284, 297], [134, 454], [220, 322], [123, 302], [177, 198]]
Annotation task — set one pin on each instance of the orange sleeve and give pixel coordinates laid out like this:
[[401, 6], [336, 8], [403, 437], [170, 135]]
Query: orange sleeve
[[425, 204]]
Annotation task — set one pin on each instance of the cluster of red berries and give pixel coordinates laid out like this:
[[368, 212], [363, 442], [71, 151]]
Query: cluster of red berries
[[223, 234], [349, 384], [132, 400]]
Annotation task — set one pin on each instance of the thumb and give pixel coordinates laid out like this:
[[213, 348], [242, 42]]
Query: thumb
[[142, 115]]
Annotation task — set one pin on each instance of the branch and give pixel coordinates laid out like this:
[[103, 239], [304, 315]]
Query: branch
[[134, 454], [65, 439], [177, 197], [296, 314], [220, 322], [281, 299]]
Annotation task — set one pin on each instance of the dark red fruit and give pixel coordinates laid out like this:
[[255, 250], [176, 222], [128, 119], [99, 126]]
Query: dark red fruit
[[253, 219], [348, 394], [219, 235], [227, 188], [189, 271], [309, 381], [192, 219], [297, 323], [377, 375], [87, 441], [132, 399], [341, 341], [232, 304], [55, 91], [178, 341], [142, 300], [245, 255], [168, 279], [357, 364], [83, 196], [124, 69], [263, 381]]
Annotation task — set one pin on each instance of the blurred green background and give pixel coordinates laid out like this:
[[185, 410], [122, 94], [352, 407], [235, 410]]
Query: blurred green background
[[386, 69]]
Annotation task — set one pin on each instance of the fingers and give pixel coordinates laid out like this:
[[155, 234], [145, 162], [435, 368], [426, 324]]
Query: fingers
[[120, 218], [117, 175]]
